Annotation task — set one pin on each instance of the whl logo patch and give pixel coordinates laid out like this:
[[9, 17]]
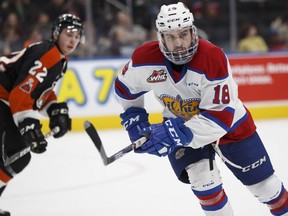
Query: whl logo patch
[[157, 76]]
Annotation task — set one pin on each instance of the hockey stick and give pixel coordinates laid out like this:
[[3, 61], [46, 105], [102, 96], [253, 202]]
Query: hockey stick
[[93, 134], [24, 151]]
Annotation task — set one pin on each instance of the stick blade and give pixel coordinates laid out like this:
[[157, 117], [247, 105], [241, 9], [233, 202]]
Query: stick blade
[[94, 136]]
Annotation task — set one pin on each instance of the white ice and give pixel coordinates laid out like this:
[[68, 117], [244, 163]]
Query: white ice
[[70, 179]]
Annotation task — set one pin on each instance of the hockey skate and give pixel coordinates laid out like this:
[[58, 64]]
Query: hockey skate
[[4, 213]]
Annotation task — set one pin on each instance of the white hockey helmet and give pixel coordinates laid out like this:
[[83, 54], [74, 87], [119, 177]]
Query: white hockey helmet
[[175, 17]]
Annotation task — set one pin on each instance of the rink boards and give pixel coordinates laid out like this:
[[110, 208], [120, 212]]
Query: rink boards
[[88, 88]]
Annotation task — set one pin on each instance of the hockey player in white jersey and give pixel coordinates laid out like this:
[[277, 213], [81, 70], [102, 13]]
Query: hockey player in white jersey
[[202, 114]]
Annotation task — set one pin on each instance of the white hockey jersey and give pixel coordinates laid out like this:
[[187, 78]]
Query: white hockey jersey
[[203, 93]]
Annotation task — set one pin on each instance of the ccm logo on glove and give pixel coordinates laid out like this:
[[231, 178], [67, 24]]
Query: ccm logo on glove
[[27, 128], [131, 121], [173, 132], [59, 111]]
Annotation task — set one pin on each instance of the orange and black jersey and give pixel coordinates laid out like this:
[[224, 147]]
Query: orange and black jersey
[[27, 78]]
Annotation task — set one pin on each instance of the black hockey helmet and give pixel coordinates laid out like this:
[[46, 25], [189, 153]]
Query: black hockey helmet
[[69, 21]]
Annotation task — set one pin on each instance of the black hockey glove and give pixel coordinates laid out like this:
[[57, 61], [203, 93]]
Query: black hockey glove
[[30, 129], [58, 114]]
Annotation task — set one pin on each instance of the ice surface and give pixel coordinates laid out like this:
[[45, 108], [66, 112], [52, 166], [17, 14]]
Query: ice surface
[[70, 179]]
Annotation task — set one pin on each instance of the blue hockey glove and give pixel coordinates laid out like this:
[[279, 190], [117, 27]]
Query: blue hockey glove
[[165, 137], [134, 119]]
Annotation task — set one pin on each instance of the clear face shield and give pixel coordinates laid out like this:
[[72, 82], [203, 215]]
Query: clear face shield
[[179, 45]]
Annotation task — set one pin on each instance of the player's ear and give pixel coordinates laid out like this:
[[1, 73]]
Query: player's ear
[[55, 36]]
